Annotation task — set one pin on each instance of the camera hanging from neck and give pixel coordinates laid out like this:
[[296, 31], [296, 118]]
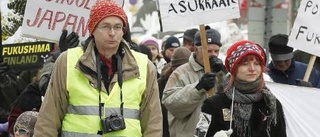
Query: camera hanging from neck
[[120, 81]]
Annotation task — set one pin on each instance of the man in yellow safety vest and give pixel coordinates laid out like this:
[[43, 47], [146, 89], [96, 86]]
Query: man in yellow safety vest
[[102, 88]]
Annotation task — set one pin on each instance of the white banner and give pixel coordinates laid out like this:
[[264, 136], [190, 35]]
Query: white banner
[[305, 34], [45, 19], [301, 107], [180, 14]]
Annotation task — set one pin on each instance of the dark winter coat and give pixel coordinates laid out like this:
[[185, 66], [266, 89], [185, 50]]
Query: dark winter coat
[[162, 81], [295, 71], [304, 57], [4, 108], [9, 89], [8, 93], [30, 98], [216, 103]]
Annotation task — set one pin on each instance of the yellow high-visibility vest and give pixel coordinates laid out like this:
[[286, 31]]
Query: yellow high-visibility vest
[[82, 117]]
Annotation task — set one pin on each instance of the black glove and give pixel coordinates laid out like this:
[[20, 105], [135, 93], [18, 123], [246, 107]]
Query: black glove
[[70, 41], [207, 81], [216, 64], [302, 83], [3, 67]]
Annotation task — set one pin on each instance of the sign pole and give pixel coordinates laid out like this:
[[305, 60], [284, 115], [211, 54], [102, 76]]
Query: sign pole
[[309, 68], [205, 55]]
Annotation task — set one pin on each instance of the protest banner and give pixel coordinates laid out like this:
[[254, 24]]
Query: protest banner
[[180, 14], [24, 56], [301, 108], [305, 33], [45, 19]]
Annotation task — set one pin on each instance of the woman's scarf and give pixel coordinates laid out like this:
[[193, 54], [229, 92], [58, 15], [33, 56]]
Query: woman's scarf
[[245, 94]]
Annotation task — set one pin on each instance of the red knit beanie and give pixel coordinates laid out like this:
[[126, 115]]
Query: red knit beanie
[[102, 9], [241, 49]]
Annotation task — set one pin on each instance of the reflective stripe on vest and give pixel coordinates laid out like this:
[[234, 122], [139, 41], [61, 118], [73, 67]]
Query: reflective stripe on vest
[[94, 110], [75, 134], [82, 117]]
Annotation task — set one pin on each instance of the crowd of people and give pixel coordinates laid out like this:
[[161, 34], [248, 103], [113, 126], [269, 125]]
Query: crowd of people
[[108, 85]]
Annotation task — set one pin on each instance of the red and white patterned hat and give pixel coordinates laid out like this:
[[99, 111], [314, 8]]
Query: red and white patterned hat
[[241, 49], [102, 9]]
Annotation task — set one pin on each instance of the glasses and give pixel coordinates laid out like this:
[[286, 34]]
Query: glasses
[[109, 28], [21, 131]]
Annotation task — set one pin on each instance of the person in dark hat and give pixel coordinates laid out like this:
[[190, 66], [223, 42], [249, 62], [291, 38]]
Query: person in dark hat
[[188, 37], [283, 67], [244, 100], [188, 85], [170, 45]]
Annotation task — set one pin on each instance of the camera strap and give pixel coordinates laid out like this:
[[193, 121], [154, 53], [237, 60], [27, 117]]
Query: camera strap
[[119, 67], [98, 66], [99, 76]]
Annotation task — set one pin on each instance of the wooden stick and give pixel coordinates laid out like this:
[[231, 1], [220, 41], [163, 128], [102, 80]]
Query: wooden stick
[[205, 55], [309, 68]]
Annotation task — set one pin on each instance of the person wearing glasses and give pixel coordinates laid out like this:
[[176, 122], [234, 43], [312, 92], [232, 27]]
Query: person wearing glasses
[[25, 124], [102, 88]]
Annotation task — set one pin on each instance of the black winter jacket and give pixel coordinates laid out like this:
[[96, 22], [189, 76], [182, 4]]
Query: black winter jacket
[[216, 103]]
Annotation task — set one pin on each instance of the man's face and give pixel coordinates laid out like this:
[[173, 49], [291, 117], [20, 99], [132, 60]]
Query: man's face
[[282, 65], [108, 33], [188, 44], [169, 52], [213, 50]]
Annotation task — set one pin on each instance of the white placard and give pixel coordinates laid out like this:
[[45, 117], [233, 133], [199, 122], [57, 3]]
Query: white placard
[[45, 19], [180, 14], [305, 33]]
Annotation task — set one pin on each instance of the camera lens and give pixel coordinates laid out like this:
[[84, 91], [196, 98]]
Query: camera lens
[[116, 123]]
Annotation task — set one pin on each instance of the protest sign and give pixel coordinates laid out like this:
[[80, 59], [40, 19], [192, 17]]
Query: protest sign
[[24, 56], [180, 14], [305, 33], [45, 19]]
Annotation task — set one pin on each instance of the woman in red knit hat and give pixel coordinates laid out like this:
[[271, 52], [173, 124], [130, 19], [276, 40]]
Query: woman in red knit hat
[[243, 105]]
